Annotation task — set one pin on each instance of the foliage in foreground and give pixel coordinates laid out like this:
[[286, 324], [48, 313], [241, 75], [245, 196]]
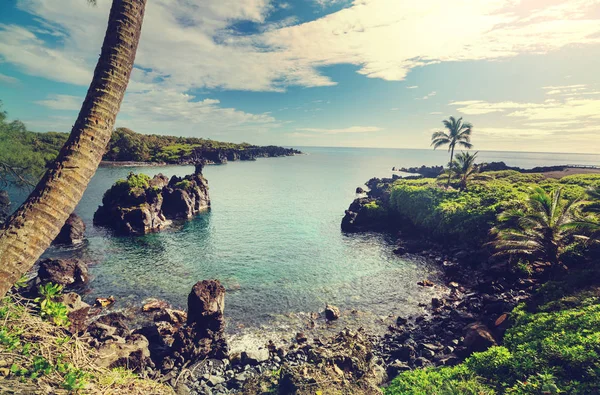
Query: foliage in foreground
[[38, 356], [553, 349], [542, 232]]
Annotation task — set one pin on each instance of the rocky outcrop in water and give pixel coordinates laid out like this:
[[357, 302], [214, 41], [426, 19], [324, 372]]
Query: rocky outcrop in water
[[370, 212], [185, 197], [72, 232], [141, 205], [424, 171]]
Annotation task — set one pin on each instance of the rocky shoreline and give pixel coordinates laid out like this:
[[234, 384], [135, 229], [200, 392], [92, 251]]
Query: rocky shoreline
[[212, 157], [190, 351]]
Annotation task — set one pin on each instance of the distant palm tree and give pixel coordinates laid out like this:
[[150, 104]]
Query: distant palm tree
[[458, 133], [541, 232], [464, 168]]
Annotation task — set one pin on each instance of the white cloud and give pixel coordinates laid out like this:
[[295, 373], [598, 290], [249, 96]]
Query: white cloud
[[190, 43], [328, 3], [427, 96], [570, 118], [352, 129], [176, 113], [8, 79], [24, 49], [61, 102], [412, 87]]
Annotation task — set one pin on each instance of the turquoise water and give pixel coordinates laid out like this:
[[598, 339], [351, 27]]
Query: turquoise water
[[272, 237]]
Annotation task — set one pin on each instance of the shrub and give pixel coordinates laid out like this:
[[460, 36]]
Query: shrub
[[433, 381], [554, 349], [184, 184]]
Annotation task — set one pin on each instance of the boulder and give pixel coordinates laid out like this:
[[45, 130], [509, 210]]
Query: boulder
[[77, 311], [133, 354], [154, 305], [478, 337], [116, 320], [203, 333], [172, 316], [72, 232], [255, 355], [364, 214], [63, 271], [331, 312], [130, 207]]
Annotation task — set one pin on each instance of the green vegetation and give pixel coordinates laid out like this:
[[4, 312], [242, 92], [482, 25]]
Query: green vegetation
[[127, 145], [541, 232], [127, 190], [553, 347], [24, 154], [464, 168], [466, 217], [39, 355], [183, 184], [50, 307]]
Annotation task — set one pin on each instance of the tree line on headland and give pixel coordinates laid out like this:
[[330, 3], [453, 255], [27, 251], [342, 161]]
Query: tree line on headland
[[24, 154]]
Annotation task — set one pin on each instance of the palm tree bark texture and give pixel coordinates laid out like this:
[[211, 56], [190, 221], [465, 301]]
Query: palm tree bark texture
[[31, 229]]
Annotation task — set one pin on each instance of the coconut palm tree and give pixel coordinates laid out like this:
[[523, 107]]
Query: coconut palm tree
[[458, 133], [541, 231], [464, 168], [31, 229]]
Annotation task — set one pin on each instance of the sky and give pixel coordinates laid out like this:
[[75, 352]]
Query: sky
[[353, 73]]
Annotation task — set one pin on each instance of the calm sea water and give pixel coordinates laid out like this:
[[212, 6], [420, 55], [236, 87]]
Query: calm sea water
[[273, 237]]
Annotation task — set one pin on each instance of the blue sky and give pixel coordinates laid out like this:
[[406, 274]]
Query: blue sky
[[372, 73]]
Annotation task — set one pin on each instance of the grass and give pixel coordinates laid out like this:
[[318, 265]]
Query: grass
[[38, 356]]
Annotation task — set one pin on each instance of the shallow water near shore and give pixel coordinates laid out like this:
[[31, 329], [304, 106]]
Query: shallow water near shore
[[273, 239]]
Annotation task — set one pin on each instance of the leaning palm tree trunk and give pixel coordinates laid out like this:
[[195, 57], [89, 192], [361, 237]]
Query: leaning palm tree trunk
[[31, 229]]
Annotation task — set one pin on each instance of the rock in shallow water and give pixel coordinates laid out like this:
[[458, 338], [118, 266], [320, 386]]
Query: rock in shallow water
[[63, 271], [72, 232], [332, 313], [140, 205]]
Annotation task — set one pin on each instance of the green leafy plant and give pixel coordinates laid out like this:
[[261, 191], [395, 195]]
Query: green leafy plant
[[49, 307], [541, 232]]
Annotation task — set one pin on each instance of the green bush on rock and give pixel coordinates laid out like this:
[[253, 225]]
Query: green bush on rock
[[466, 217]]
